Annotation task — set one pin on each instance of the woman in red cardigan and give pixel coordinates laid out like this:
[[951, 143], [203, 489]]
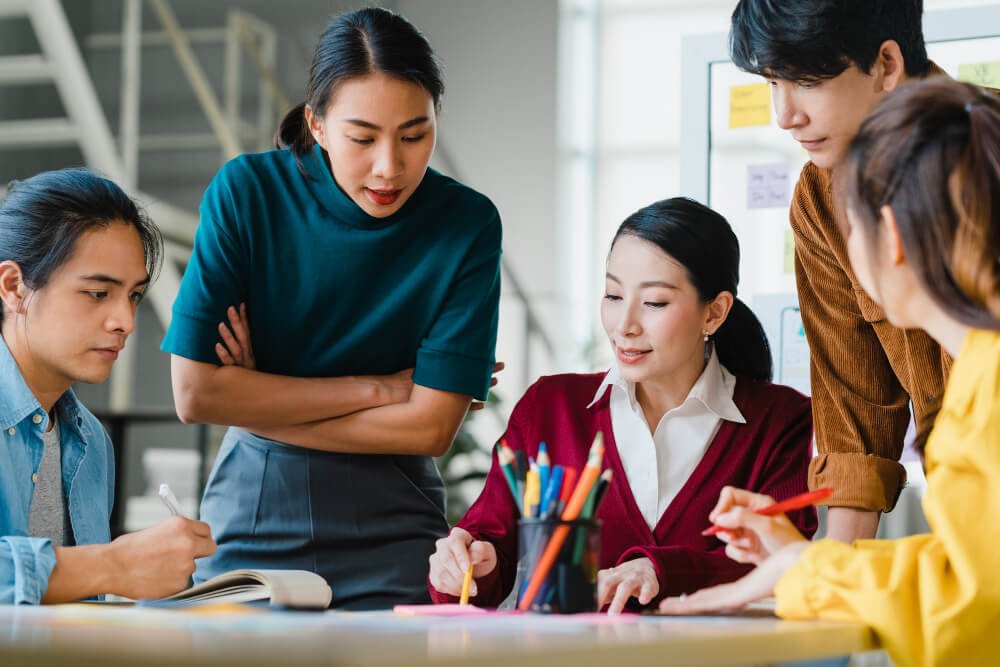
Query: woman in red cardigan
[[687, 409]]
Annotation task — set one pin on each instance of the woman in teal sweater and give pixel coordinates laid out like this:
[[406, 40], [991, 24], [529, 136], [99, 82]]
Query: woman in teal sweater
[[371, 289]]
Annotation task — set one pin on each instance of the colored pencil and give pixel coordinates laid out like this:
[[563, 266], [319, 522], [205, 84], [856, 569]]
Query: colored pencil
[[787, 505], [550, 498], [569, 479], [466, 584], [505, 458], [531, 493], [544, 469]]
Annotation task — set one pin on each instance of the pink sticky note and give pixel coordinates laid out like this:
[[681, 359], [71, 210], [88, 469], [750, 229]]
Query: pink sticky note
[[438, 610]]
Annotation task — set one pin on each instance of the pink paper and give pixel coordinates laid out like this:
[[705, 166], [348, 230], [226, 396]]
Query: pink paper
[[438, 610]]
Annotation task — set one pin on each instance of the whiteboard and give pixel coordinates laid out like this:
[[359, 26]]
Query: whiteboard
[[748, 173]]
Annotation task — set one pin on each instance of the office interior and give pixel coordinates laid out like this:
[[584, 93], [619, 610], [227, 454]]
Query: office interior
[[569, 114]]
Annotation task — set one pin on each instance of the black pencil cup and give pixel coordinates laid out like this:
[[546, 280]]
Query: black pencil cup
[[558, 562]]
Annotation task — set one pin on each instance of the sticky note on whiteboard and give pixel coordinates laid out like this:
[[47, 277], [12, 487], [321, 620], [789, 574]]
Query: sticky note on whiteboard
[[767, 186], [789, 252], [750, 106], [981, 74]]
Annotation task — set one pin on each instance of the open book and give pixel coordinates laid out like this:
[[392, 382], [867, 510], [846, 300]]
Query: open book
[[298, 589]]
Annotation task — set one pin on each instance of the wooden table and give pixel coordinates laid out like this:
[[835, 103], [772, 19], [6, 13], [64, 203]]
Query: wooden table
[[88, 635]]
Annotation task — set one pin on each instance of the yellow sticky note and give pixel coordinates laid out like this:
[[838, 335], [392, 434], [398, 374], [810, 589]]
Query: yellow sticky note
[[789, 252], [750, 106], [981, 74]]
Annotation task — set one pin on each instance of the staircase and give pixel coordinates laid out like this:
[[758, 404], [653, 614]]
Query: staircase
[[60, 64]]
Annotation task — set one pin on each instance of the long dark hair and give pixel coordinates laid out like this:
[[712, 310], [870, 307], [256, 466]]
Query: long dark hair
[[42, 218], [356, 44], [704, 243], [931, 151]]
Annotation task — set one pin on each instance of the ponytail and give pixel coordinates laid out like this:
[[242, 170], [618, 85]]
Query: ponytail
[[975, 193], [293, 133], [742, 344]]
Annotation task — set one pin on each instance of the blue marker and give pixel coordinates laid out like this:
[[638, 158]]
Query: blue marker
[[544, 468], [551, 497]]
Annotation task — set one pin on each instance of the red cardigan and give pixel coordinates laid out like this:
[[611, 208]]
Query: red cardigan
[[768, 454]]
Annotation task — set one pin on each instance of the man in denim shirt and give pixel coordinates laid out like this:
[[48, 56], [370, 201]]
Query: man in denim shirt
[[87, 477], [76, 256]]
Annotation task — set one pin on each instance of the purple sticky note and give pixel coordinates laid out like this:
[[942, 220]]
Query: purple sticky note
[[767, 186]]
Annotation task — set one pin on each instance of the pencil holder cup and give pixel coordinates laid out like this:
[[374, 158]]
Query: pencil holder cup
[[557, 565]]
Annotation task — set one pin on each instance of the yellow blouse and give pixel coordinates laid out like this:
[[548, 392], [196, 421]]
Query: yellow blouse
[[931, 599]]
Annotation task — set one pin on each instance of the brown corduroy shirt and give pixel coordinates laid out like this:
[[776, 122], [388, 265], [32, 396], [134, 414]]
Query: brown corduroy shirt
[[864, 371]]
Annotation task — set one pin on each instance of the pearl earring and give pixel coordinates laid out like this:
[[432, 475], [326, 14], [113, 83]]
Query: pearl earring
[[705, 333]]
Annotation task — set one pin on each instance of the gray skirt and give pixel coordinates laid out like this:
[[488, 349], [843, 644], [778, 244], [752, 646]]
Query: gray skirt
[[366, 523]]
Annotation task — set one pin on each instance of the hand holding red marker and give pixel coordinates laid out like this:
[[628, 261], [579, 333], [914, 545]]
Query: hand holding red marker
[[787, 505]]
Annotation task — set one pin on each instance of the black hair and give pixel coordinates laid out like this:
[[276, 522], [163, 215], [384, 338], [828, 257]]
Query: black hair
[[806, 40], [356, 44], [42, 218], [704, 243]]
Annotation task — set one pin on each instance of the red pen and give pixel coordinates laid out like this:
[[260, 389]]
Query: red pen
[[569, 481], [793, 503]]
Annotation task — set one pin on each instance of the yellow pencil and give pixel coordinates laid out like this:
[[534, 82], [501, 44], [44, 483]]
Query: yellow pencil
[[466, 583]]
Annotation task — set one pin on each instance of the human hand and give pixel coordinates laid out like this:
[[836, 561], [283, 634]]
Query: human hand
[[751, 537], [479, 405], [158, 561], [451, 559], [755, 585], [634, 578], [235, 348], [395, 388]]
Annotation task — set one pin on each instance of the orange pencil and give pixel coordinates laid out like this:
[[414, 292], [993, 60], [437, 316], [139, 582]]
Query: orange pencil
[[587, 478]]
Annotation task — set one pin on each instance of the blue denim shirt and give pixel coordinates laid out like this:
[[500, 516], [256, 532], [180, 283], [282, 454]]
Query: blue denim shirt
[[88, 476]]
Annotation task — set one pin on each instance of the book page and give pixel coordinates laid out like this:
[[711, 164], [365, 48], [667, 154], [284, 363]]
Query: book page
[[291, 588]]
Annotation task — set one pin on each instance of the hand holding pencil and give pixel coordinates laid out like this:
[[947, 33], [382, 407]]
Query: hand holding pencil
[[753, 525], [454, 557]]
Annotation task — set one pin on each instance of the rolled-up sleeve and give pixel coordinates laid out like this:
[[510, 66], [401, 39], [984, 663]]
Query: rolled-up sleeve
[[25, 566], [458, 353]]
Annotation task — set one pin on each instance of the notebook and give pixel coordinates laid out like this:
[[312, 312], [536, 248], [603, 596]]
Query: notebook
[[295, 589]]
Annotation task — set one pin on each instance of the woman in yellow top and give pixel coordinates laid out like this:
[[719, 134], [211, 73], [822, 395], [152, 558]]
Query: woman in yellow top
[[922, 189]]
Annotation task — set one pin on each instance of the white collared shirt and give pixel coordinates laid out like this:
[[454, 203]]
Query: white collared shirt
[[658, 464]]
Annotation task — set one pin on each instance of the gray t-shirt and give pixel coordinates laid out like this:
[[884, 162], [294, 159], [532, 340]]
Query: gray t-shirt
[[48, 516]]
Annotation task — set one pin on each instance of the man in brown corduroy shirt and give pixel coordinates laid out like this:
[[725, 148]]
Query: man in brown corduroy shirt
[[829, 62]]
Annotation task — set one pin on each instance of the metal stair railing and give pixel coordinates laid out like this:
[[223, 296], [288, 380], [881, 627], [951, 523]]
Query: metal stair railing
[[229, 129], [62, 64]]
